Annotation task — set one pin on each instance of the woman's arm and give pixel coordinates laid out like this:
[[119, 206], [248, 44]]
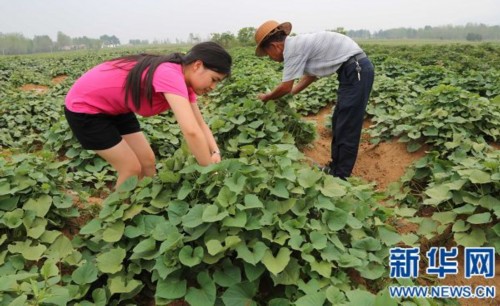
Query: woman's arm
[[212, 144], [190, 128]]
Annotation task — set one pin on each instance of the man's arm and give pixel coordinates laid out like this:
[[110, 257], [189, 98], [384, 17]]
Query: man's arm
[[305, 81], [280, 91]]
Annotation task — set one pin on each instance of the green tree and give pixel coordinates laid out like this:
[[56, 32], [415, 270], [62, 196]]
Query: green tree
[[42, 43], [15, 43], [225, 39], [246, 36], [110, 41], [63, 41], [473, 37]]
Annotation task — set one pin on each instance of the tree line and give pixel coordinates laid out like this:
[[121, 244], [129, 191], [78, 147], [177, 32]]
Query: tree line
[[469, 32], [15, 43]]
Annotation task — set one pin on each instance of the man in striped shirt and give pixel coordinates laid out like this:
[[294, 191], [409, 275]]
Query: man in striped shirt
[[310, 56]]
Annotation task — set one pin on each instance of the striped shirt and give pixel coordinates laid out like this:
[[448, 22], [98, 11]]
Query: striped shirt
[[317, 54]]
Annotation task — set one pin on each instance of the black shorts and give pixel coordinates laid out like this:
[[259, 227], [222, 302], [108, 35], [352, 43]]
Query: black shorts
[[101, 131]]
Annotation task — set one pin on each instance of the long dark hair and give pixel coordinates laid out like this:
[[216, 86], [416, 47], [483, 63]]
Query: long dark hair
[[213, 56]]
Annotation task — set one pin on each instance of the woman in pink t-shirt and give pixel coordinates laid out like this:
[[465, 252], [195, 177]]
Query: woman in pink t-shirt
[[101, 106]]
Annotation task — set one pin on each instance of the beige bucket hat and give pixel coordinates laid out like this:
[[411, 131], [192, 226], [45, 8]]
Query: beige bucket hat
[[267, 28]]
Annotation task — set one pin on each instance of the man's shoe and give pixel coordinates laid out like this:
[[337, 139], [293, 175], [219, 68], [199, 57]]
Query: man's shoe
[[328, 169]]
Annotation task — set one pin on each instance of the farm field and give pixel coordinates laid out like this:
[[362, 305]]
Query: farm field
[[263, 227]]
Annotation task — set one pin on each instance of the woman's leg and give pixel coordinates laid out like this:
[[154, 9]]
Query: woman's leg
[[142, 149], [123, 159]]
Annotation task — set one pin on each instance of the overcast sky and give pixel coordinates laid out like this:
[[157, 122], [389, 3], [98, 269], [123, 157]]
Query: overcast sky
[[161, 20]]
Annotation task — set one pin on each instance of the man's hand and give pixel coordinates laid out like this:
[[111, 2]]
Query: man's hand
[[262, 97]]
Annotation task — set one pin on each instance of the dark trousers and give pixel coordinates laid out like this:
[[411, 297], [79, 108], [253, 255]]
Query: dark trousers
[[348, 116]]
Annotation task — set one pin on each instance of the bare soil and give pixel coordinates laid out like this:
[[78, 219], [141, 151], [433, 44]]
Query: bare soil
[[41, 89], [383, 164]]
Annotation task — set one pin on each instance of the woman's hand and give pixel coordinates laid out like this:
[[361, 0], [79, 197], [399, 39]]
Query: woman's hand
[[216, 157]]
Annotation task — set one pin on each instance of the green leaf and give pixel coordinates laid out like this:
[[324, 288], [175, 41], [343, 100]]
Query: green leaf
[[91, 227], [239, 220], [61, 248], [236, 183], [318, 240], [324, 268], [121, 284], [368, 244], [37, 228], [252, 201], [185, 190], [360, 297], [111, 261], [145, 246], [85, 274], [194, 217], [475, 238], [444, 217], [228, 276], [211, 214], [49, 269], [317, 298], [240, 294], [276, 264], [308, 177], [57, 295], [114, 232], [40, 206], [205, 295], [252, 254], [291, 274], [460, 226], [129, 184], [176, 210], [373, 271], [331, 188], [13, 219], [191, 257], [480, 218], [253, 272], [214, 247], [226, 197], [335, 296], [438, 194], [167, 176], [28, 252], [388, 237], [171, 288], [279, 302], [9, 204], [476, 176], [384, 299], [280, 189], [413, 146], [336, 220], [4, 188]]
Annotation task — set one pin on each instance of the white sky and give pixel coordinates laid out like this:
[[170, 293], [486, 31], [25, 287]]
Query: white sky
[[168, 19]]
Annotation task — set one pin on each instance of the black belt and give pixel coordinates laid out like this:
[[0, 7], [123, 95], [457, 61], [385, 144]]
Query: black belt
[[355, 57]]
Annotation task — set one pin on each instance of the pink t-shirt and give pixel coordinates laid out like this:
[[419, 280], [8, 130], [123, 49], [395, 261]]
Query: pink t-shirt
[[101, 90]]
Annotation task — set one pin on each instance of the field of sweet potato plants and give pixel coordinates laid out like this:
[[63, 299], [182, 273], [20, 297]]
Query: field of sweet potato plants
[[263, 227]]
